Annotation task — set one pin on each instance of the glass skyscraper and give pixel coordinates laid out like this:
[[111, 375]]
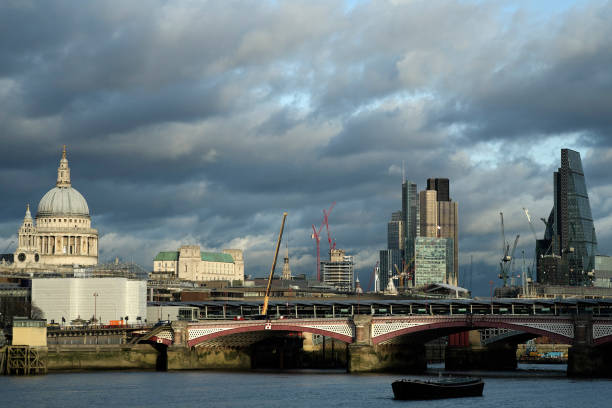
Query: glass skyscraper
[[570, 233], [433, 261], [409, 211]]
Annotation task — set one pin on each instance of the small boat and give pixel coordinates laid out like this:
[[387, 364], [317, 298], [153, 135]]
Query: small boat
[[437, 389]]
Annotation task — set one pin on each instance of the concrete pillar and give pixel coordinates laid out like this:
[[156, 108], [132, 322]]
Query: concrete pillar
[[493, 357], [363, 356], [584, 358], [363, 329], [181, 335]]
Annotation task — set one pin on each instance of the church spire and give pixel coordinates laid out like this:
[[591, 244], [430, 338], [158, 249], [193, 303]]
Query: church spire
[[63, 171], [28, 214]]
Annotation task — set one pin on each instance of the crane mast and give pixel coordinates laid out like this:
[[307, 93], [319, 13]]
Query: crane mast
[[278, 242]]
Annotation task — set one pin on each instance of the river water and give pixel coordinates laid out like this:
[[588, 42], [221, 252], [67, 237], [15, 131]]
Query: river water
[[530, 386]]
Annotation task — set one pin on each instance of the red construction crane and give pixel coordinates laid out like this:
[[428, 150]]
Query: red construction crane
[[326, 221], [316, 235]]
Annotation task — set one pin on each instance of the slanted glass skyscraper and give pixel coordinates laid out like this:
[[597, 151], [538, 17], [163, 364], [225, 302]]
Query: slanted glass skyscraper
[[570, 233]]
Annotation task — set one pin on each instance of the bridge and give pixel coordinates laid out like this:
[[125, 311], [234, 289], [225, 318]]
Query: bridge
[[384, 335]]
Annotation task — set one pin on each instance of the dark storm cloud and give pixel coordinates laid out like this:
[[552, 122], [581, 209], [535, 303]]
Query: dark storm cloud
[[200, 122]]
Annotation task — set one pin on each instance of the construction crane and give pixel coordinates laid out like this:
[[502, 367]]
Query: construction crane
[[511, 269], [400, 275], [326, 221], [506, 262], [264, 311], [316, 235], [535, 237]]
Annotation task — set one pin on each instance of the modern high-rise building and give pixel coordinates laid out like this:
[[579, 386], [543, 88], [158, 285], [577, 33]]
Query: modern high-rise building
[[395, 231], [433, 261], [339, 271], [570, 232], [446, 219], [441, 185], [389, 259], [428, 211], [410, 206]]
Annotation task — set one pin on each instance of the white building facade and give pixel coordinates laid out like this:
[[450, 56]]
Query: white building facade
[[112, 298]]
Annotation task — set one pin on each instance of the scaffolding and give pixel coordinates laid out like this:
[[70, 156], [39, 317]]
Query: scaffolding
[[21, 360]]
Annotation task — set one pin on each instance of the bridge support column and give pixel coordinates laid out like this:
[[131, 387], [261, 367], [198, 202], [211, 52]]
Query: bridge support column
[[498, 357], [585, 359], [363, 356]]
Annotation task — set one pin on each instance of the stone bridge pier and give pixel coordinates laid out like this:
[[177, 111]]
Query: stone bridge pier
[[589, 356], [365, 356], [180, 356], [474, 356]]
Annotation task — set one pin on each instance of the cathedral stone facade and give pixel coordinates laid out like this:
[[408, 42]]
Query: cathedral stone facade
[[61, 233]]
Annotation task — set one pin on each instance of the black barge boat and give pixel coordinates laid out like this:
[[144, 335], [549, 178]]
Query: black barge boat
[[437, 389]]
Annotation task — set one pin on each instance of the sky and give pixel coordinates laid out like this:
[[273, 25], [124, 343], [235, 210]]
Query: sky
[[200, 122]]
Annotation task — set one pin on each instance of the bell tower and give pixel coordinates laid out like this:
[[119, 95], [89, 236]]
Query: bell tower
[[63, 171], [26, 249]]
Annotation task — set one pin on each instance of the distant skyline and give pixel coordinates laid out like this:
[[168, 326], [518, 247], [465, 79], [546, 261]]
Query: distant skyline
[[199, 123]]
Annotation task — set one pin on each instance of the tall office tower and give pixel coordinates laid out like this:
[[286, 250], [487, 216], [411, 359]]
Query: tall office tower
[[446, 219], [409, 211], [441, 185], [389, 259], [395, 231], [570, 226], [339, 271], [428, 211]]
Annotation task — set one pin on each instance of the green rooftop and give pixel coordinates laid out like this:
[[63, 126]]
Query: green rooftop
[[217, 257], [167, 256], [206, 256]]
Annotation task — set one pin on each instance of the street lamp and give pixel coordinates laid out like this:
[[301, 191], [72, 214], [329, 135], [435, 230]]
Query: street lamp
[[95, 295]]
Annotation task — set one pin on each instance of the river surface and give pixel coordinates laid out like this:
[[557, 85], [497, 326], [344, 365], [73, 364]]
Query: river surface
[[530, 386]]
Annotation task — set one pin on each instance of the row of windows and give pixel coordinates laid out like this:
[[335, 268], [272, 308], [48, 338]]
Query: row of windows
[[44, 220]]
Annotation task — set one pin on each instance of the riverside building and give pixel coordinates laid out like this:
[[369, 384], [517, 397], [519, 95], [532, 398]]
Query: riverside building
[[190, 263]]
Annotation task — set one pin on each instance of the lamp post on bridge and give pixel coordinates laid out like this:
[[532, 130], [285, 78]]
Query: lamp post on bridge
[[95, 296]]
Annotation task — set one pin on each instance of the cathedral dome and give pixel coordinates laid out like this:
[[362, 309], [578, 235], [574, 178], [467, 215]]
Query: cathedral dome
[[60, 201]]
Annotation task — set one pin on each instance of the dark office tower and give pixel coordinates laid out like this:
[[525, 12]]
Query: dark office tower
[[566, 254], [409, 212], [395, 231], [389, 260], [441, 185], [573, 230]]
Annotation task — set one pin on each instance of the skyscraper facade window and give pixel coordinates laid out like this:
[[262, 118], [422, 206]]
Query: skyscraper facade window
[[389, 258], [433, 260], [566, 254], [429, 213], [395, 231], [573, 229]]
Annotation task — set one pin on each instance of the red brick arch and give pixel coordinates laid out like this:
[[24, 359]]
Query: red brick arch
[[463, 324], [269, 327]]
